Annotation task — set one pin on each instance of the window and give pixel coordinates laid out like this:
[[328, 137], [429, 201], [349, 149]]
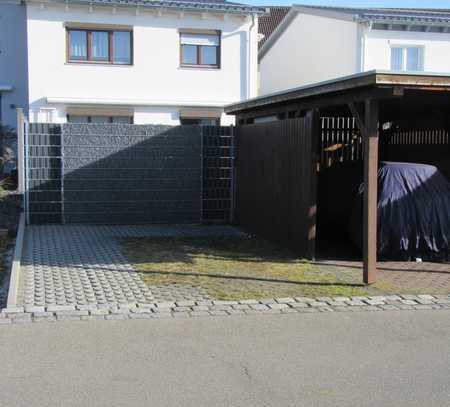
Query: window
[[200, 121], [200, 50], [406, 59], [45, 114], [99, 46], [99, 119]]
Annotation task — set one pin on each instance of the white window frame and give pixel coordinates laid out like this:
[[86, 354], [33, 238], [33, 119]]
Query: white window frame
[[404, 49], [46, 114]]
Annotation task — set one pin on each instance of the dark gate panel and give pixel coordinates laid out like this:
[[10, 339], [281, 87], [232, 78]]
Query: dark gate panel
[[131, 173], [218, 164], [276, 181], [43, 195], [95, 173]]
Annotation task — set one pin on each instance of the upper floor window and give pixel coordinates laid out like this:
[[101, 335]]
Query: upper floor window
[[200, 50], [407, 59], [99, 46]]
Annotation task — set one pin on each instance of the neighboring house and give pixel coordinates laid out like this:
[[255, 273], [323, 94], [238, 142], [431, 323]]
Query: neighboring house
[[13, 61], [313, 44], [139, 61]]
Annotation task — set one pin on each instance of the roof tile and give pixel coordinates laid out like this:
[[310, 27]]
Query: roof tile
[[268, 23]]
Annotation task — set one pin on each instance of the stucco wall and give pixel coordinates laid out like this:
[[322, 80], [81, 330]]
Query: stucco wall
[[436, 48], [155, 75], [13, 59], [312, 49]]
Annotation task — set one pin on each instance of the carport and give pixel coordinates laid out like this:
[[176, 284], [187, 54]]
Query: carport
[[289, 136]]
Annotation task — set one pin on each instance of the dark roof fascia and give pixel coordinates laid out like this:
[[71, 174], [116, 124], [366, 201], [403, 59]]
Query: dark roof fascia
[[231, 8], [346, 83]]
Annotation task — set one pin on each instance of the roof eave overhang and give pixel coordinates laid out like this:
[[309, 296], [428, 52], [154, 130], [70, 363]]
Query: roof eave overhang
[[404, 22], [165, 5]]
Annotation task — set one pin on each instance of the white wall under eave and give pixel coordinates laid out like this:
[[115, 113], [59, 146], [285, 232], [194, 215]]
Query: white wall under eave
[[310, 50], [436, 48]]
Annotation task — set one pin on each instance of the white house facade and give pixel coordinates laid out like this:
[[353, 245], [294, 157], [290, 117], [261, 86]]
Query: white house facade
[[139, 62], [13, 61], [322, 43]]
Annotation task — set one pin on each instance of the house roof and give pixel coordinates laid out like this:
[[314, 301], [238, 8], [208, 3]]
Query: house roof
[[389, 15], [269, 22], [427, 17], [194, 5]]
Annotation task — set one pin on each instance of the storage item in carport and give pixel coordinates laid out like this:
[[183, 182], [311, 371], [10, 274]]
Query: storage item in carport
[[413, 212], [337, 188]]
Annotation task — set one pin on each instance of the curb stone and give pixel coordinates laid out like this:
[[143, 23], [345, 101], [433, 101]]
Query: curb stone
[[201, 308]]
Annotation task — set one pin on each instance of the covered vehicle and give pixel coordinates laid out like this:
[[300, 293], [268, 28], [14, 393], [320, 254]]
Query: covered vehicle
[[413, 212]]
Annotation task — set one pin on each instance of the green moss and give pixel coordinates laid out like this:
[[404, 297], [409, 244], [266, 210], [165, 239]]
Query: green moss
[[234, 268]]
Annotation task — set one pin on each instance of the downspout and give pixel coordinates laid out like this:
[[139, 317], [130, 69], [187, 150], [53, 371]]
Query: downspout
[[365, 26], [252, 25]]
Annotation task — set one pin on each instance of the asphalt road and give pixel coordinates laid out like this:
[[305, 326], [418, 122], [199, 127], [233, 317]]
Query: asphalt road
[[340, 359]]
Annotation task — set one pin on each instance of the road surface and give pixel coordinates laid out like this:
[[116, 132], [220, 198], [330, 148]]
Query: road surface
[[336, 359]]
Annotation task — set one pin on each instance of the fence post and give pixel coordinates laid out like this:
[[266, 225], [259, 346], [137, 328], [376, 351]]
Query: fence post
[[201, 174], [20, 151]]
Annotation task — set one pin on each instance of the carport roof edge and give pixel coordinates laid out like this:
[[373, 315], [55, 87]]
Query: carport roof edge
[[357, 81]]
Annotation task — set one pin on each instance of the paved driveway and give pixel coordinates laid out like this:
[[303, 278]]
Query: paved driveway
[[389, 359], [79, 265]]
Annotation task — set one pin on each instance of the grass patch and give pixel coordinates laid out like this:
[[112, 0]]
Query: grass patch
[[233, 267]]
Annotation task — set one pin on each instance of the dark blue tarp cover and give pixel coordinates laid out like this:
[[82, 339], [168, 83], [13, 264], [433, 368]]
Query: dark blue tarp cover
[[413, 212]]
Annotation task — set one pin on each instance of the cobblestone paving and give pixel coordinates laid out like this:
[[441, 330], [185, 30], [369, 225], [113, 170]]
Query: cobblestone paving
[[206, 308], [83, 265]]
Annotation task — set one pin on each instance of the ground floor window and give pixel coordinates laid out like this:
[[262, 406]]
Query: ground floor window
[[71, 118], [200, 121]]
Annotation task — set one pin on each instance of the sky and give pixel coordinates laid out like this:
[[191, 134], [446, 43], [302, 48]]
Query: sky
[[355, 3]]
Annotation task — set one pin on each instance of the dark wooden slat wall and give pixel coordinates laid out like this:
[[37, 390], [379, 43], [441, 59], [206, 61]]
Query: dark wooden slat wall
[[426, 146], [275, 181]]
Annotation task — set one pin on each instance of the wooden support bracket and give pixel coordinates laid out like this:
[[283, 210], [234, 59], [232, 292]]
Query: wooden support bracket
[[358, 114]]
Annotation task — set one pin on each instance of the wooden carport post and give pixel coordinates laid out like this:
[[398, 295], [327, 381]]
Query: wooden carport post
[[368, 126]]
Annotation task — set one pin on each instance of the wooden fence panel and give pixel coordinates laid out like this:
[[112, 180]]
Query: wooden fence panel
[[276, 176], [426, 146], [340, 141]]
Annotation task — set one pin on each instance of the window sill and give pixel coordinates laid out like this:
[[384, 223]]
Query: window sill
[[200, 67], [92, 63]]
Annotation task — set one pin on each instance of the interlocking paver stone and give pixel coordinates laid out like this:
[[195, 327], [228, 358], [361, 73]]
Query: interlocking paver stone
[[68, 265], [284, 300], [278, 306], [261, 307]]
